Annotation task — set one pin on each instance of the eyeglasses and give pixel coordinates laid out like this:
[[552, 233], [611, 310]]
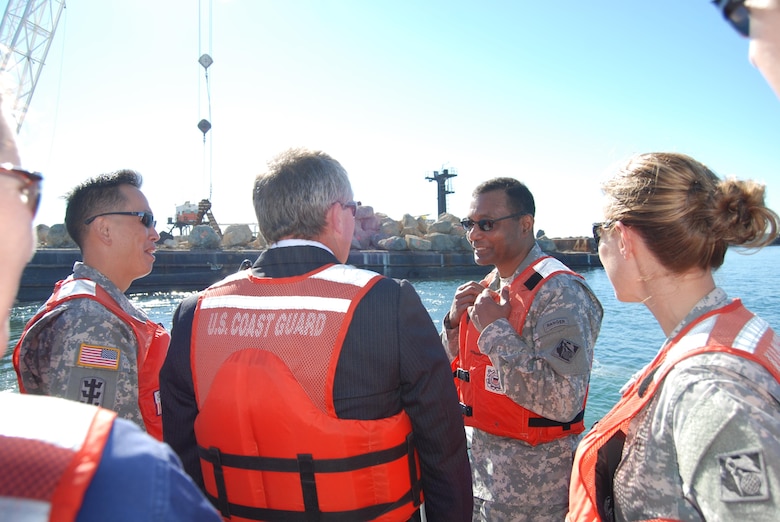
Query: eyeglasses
[[351, 205], [735, 12], [31, 184], [599, 228], [147, 218], [486, 225]]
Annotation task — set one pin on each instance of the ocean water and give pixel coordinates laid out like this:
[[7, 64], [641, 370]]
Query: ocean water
[[629, 336]]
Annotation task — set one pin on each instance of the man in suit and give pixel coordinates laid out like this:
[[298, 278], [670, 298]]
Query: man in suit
[[307, 385]]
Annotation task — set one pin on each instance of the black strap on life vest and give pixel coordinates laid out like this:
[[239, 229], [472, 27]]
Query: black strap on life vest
[[307, 467], [466, 410], [538, 422], [646, 382], [533, 280], [609, 456], [219, 479], [461, 374], [549, 423]]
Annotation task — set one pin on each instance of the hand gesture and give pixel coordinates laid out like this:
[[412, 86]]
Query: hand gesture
[[465, 296], [489, 306]]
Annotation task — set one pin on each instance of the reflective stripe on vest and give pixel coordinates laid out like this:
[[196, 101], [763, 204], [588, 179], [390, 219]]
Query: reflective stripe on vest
[[731, 329], [152, 340], [483, 401], [264, 355], [49, 451]]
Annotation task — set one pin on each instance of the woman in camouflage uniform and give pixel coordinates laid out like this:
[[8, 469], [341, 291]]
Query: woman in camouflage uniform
[[696, 433]]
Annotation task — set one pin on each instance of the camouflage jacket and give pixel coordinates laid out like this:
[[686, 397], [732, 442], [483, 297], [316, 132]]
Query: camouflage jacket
[[51, 352], [706, 446], [534, 480]]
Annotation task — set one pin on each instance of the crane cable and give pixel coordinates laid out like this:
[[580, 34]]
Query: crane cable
[[205, 61]]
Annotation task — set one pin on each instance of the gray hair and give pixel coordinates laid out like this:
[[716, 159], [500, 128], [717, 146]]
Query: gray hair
[[293, 197]]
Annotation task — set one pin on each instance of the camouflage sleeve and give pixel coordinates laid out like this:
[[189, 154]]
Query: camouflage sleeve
[[546, 367], [727, 439], [705, 446], [81, 351], [449, 339]]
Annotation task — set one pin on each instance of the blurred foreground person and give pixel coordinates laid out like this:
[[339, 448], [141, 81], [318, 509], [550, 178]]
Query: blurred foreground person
[[61, 460], [760, 21], [304, 387], [522, 344], [696, 434], [88, 342]]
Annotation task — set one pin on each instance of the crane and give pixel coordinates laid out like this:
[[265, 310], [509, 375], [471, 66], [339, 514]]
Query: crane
[[26, 33]]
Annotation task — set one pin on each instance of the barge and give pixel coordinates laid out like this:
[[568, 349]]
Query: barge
[[188, 270]]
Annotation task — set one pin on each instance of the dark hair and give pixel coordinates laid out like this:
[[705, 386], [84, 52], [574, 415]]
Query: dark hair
[[94, 196], [686, 214], [293, 197], [519, 197]]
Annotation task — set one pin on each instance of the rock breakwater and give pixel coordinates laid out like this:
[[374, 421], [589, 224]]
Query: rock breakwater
[[373, 231]]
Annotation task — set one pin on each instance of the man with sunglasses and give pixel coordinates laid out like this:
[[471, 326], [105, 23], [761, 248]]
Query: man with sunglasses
[[521, 344], [760, 21], [88, 342], [61, 460]]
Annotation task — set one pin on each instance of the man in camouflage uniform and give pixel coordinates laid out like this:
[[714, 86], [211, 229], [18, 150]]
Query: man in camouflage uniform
[[543, 366], [80, 349]]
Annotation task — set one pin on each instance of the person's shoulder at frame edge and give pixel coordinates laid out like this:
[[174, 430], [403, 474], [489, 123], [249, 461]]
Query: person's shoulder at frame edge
[[140, 478]]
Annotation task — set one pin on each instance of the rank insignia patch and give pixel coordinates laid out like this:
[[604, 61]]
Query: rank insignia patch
[[743, 476], [91, 356], [566, 350], [93, 389]]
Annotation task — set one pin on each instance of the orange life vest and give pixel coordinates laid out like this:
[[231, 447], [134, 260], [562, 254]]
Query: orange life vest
[[46, 470], [483, 402], [151, 337], [264, 356], [599, 453]]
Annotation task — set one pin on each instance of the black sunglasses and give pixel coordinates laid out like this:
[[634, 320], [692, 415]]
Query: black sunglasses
[[599, 228], [735, 12], [486, 225], [31, 184], [147, 218], [351, 205]]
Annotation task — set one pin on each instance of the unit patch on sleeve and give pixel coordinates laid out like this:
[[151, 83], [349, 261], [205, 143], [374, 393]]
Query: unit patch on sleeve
[[91, 356], [566, 350], [93, 390], [743, 476], [493, 380]]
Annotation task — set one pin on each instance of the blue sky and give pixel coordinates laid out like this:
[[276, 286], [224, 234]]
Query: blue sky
[[551, 93]]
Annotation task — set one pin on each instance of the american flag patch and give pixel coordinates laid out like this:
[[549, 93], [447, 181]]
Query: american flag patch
[[98, 357]]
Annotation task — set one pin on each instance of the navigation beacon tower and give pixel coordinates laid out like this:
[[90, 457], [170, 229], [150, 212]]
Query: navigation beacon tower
[[444, 184]]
